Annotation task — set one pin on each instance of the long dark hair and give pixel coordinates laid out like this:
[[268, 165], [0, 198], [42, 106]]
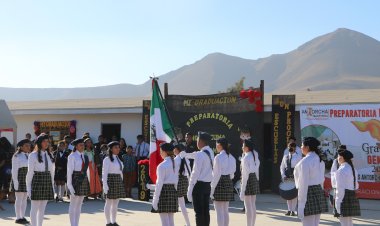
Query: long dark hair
[[348, 158], [225, 145], [313, 145], [18, 151], [250, 145], [168, 148], [38, 147]]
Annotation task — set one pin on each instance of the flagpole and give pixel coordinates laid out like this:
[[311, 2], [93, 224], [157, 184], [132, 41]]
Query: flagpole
[[166, 109]]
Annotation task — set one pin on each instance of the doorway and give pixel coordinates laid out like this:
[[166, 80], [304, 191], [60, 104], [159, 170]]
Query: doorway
[[111, 129]]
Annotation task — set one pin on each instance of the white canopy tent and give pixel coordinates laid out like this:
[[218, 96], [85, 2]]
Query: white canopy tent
[[7, 122]]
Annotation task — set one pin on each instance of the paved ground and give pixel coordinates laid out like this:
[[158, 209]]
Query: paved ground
[[270, 210]]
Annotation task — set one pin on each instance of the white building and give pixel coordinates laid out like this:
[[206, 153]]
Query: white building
[[120, 117]]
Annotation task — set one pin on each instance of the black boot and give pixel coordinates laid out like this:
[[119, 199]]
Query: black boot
[[293, 213], [288, 213]]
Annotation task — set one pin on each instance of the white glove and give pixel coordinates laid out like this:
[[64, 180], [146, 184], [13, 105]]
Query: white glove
[[105, 190], [15, 185], [212, 196], [155, 204], [189, 196], [337, 207], [300, 213], [241, 196], [72, 191]]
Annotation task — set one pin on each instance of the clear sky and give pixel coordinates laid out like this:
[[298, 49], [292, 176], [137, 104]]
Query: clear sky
[[77, 43]]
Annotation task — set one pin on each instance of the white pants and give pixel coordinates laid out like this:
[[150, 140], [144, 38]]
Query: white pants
[[292, 204], [222, 216], [250, 209], [37, 212], [182, 205], [167, 219], [346, 221], [60, 191], [20, 204], [75, 209], [312, 220], [110, 210]]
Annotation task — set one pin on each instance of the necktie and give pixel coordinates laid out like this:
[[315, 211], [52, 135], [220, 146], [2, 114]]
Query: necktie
[[46, 164], [81, 156], [138, 151], [26, 156], [290, 161], [118, 160]]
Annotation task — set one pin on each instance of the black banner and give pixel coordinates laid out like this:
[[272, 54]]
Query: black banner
[[283, 115], [143, 177], [146, 120], [221, 115]]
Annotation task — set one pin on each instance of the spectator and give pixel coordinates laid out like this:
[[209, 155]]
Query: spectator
[[123, 147], [129, 171], [141, 149]]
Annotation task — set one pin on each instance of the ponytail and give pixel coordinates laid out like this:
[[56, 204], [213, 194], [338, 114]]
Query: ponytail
[[17, 152], [172, 158], [110, 155], [353, 171]]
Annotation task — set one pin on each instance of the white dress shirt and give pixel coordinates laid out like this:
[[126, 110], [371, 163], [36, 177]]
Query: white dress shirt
[[224, 164], [187, 170], [334, 168], [143, 149], [165, 175], [249, 165], [35, 166], [202, 168], [109, 167], [295, 158], [309, 171], [18, 161], [74, 163], [298, 150], [344, 180]]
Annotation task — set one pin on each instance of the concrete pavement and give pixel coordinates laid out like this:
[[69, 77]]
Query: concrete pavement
[[270, 209]]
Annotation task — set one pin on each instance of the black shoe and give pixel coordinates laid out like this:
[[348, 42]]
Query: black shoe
[[25, 221], [109, 224], [293, 213], [19, 221], [288, 213], [115, 224], [56, 199]]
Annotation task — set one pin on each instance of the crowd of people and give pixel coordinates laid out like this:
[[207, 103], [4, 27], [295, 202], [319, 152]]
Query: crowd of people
[[188, 173]]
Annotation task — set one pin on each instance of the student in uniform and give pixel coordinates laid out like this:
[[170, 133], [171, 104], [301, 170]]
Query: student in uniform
[[334, 168], [347, 204], [77, 180], [165, 198], [250, 164], [60, 170], [40, 179], [113, 187], [222, 189], [309, 177], [287, 173], [184, 170], [298, 149], [19, 171], [200, 180]]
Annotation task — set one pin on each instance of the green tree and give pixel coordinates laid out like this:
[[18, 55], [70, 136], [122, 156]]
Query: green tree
[[239, 85]]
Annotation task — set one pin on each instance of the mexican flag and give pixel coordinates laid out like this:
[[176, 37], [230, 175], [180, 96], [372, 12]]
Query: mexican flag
[[160, 129]]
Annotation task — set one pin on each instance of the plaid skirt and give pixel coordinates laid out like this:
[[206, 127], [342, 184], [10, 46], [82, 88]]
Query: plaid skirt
[[21, 177], [316, 202], [81, 189], [350, 206], [224, 190], [168, 202], [183, 184], [253, 186], [42, 187], [116, 189]]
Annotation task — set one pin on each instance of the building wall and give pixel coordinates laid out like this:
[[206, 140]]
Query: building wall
[[130, 124]]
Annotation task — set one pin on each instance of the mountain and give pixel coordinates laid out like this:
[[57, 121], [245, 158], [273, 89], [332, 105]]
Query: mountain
[[343, 59]]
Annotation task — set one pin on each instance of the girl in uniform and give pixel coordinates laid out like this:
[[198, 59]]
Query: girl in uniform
[[19, 171], [39, 179], [95, 185], [113, 186], [288, 163], [250, 164], [77, 180], [165, 198], [309, 177], [347, 205], [222, 189], [183, 166]]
